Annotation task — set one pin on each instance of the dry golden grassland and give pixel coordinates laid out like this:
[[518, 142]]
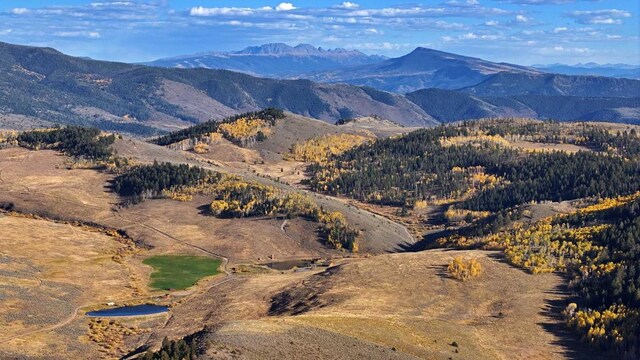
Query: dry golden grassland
[[387, 306], [52, 270]]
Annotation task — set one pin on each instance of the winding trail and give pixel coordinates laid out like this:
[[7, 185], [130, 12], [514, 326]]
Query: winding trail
[[199, 290], [46, 328]]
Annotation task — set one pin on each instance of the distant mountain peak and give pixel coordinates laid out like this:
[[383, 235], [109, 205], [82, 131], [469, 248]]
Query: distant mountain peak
[[302, 49], [428, 52], [274, 60], [266, 49]]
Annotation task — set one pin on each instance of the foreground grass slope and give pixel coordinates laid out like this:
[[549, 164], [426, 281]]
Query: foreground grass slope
[[399, 305]]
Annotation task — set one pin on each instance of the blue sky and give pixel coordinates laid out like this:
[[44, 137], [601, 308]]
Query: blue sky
[[518, 31]]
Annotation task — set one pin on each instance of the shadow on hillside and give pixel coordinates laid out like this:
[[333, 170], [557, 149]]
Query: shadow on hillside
[[569, 340], [429, 241]]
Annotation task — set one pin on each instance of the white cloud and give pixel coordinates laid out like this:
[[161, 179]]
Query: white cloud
[[202, 11], [370, 31], [468, 36], [389, 12], [492, 23], [463, 3], [84, 34], [544, 2], [347, 5], [384, 46], [570, 50], [113, 3], [559, 30], [472, 36], [446, 25], [19, 11], [5, 32], [600, 17], [522, 19], [285, 7]]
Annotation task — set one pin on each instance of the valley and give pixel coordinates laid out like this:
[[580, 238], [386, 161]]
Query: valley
[[180, 181], [391, 296]]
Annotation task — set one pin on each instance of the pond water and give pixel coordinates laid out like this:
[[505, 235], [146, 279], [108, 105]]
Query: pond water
[[290, 264], [137, 310]]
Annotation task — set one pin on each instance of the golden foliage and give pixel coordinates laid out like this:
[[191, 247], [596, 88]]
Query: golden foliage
[[214, 137], [544, 247], [420, 205], [245, 130], [611, 326], [236, 197], [8, 137], [319, 149], [201, 148], [177, 195], [609, 203], [473, 180], [454, 215], [474, 139], [109, 335], [464, 270]]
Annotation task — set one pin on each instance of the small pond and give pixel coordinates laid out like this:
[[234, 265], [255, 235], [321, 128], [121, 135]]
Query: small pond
[[299, 264], [137, 310]]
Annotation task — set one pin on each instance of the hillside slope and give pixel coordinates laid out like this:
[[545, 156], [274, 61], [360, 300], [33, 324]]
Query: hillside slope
[[48, 85], [507, 84], [447, 106], [40, 86], [422, 68]]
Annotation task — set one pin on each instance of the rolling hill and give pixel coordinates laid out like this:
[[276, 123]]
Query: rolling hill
[[40, 86], [447, 106], [508, 84], [272, 60], [44, 84], [282, 290]]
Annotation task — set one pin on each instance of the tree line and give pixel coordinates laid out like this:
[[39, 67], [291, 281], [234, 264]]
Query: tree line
[[77, 141], [148, 181], [270, 115], [419, 166]]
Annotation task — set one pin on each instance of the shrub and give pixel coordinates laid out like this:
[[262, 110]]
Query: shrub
[[464, 269]]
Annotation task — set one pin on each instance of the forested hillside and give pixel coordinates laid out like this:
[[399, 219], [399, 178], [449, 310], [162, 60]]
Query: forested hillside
[[228, 127], [488, 185], [472, 163], [233, 197], [597, 246], [448, 106], [509, 84], [51, 86]]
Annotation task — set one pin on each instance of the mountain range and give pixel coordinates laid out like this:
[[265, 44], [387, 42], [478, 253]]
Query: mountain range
[[420, 69], [272, 60], [44, 85], [447, 106], [610, 70]]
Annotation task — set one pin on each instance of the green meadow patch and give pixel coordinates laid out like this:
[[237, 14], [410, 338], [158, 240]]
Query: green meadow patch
[[180, 272]]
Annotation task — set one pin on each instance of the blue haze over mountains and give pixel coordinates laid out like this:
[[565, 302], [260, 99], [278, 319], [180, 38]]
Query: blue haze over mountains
[[423, 88]]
